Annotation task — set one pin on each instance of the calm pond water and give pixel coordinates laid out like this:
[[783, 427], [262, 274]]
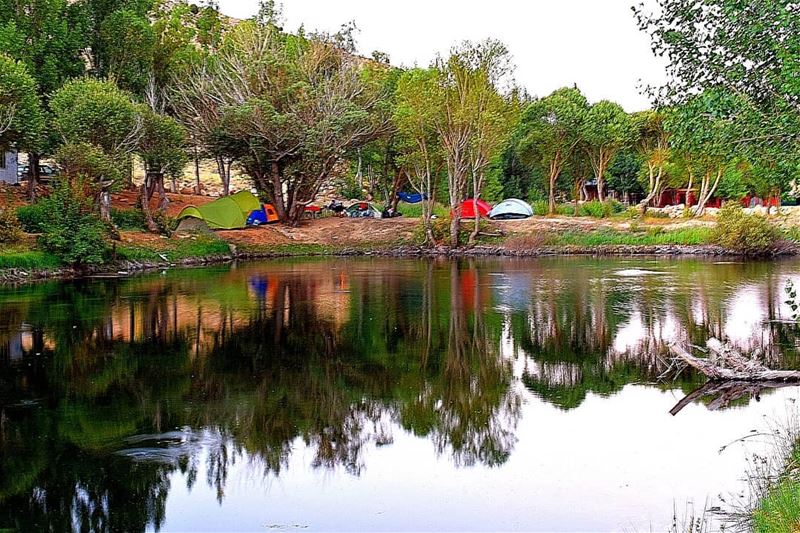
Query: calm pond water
[[379, 395]]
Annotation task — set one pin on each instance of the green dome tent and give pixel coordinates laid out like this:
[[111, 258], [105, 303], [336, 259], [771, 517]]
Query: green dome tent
[[230, 212]]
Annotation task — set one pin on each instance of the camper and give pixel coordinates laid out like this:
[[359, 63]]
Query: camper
[[8, 167]]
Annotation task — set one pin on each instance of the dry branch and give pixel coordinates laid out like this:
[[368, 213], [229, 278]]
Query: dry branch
[[726, 364]]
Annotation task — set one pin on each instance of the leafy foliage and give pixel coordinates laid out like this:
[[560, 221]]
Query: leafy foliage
[[550, 131], [21, 116], [73, 232], [10, 228], [748, 234], [33, 217]]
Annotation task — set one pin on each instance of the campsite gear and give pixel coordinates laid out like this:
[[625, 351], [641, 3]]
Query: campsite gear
[[511, 209], [230, 212], [411, 198], [363, 210], [336, 207], [266, 215], [312, 211], [467, 208]]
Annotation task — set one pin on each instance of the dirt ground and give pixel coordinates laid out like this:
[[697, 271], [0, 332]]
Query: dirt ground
[[327, 231]]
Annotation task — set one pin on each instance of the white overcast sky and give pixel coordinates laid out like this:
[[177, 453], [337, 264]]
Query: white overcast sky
[[555, 43]]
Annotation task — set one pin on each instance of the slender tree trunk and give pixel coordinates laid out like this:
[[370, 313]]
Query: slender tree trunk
[[455, 228], [145, 193], [34, 172], [710, 189], [223, 169], [105, 201], [601, 195], [196, 154], [162, 194], [277, 190]]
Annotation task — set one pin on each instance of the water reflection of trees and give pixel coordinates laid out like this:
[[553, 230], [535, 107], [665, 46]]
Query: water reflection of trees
[[589, 330], [248, 377], [108, 389]]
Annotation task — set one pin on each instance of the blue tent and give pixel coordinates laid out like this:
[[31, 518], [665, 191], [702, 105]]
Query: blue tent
[[511, 209], [411, 198]]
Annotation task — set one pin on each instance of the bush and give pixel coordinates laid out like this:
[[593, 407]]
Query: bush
[[542, 207], [598, 209], [128, 219], [10, 228], [740, 232], [32, 217], [165, 223], [74, 234]]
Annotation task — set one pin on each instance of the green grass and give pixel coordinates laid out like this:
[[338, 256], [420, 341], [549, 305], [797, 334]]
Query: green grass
[[779, 511], [415, 210], [688, 236], [27, 260], [175, 250]]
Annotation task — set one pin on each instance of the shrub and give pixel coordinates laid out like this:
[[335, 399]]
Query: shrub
[[128, 219], [32, 217], [165, 223], [74, 234], [740, 232], [10, 228], [542, 207], [598, 209]]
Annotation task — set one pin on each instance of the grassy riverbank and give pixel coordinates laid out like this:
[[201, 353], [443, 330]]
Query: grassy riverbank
[[136, 250], [779, 510]]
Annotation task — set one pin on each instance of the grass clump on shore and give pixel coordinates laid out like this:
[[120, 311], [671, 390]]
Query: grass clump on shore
[[28, 260], [415, 210], [654, 237], [174, 251]]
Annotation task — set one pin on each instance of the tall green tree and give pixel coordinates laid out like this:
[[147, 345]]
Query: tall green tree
[[420, 150], [703, 131], [21, 117], [651, 141], [49, 37], [469, 84], [292, 106], [551, 131], [606, 130], [745, 48], [97, 113]]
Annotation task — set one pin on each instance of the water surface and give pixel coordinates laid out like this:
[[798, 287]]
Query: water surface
[[380, 395]]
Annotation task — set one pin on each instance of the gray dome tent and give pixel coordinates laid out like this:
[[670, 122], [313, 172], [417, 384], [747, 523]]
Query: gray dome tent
[[511, 209]]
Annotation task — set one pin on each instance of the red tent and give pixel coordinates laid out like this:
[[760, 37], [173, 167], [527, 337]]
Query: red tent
[[468, 208]]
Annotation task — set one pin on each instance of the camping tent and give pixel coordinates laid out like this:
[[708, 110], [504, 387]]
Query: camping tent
[[468, 208], [230, 212], [511, 209], [411, 198], [266, 215], [363, 210]]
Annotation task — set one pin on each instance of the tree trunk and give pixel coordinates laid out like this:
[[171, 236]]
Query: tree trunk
[[162, 194], [601, 183], [145, 193], [197, 189], [455, 227], [104, 199], [277, 190], [34, 172], [224, 175]]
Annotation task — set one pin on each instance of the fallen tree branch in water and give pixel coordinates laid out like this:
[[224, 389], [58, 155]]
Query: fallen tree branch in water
[[728, 392], [726, 364], [731, 375]]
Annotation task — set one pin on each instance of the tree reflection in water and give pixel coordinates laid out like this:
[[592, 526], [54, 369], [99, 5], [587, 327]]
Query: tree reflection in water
[[109, 388]]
